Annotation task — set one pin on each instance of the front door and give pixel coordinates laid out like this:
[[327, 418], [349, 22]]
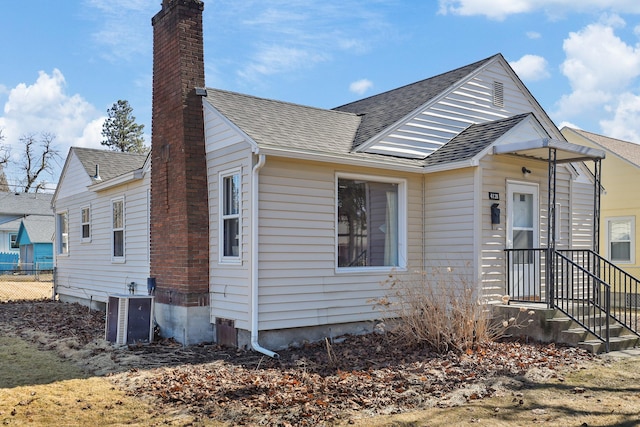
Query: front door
[[523, 232]]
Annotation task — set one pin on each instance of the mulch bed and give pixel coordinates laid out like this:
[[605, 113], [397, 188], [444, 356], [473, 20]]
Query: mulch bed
[[319, 384]]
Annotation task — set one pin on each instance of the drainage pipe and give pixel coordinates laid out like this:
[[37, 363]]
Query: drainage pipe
[[255, 173]]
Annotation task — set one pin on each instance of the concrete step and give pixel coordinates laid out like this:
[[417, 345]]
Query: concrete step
[[575, 335], [623, 342]]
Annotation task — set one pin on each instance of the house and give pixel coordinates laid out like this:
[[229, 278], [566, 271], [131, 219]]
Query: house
[[35, 240], [101, 202], [270, 223], [13, 208], [620, 201]]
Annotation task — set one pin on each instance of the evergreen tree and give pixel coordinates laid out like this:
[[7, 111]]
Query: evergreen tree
[[120, 130]]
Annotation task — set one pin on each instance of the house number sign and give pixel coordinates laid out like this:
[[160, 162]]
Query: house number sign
[[494, 196]]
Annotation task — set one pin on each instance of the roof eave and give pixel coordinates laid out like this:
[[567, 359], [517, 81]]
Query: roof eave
[[126, 178]]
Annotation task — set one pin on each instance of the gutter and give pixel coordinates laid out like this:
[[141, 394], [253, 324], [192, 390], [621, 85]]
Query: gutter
[[255, 173]]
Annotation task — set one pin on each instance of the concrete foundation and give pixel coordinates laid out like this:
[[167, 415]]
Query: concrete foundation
[[187, 325], [91, 303], [296, 337]]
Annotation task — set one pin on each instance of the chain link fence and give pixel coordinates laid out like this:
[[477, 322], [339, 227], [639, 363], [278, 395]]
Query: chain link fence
[[25, 284]]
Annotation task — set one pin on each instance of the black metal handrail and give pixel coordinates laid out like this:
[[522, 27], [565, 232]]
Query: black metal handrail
[[625, 288], [582, 296], [573, 289]]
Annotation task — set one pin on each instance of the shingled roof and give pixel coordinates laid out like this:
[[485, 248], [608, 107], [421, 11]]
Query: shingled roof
[[25, 204], [625, 149], [39, 229], [473, 140], [383, 110], [111, 163]]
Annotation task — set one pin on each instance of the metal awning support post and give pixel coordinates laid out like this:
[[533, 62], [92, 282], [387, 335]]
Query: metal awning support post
[[597, 171], [551, 228]]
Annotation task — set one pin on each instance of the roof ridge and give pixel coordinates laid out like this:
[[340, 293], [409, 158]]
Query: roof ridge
[[475, 64]]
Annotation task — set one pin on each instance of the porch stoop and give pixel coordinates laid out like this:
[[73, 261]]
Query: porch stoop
[[551, 325]]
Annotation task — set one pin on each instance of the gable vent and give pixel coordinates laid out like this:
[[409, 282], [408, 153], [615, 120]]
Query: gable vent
[[498, 94]]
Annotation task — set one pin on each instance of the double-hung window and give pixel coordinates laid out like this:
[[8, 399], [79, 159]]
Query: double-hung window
[[230, 210], [371, 222], [62, 234], [13, 241], [620, 239], [118, 237], [86, 224]]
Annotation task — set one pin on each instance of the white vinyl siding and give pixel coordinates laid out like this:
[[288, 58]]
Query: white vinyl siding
[[299, 284], [449, 224], [88, 273], [228, 281], [471, 102]]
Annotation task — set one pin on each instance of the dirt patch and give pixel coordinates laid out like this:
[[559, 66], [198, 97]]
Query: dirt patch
[[14, 287], [326, 383]]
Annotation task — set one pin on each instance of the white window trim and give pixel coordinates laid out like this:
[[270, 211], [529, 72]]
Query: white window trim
[[58, 249], [9, 242], [82, 224], [222, 259], [632, 249], [119, 259], [402, 223]]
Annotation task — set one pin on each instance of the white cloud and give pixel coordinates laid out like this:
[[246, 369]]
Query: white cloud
[[533, 35], [599, 65], [625, 123], [45, 107], [500, 9], [531, 67], [279, 59], [288, 37], [361, 86]]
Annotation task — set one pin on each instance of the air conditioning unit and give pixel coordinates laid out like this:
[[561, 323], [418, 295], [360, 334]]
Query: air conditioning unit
[[129, 319]]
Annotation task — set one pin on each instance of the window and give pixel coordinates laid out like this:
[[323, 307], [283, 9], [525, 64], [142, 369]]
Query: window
[[62, 235], [86, 224], [117, 216], [370, 222], [13, 241], [620, 234], [230, 215]]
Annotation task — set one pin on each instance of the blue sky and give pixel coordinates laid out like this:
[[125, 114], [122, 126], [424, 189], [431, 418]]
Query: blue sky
[[66, 62]]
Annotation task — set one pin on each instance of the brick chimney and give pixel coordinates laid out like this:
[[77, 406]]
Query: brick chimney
[[179, 211]]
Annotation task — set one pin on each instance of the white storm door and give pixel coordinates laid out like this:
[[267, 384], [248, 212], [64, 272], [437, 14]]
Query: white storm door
[[523, 232]]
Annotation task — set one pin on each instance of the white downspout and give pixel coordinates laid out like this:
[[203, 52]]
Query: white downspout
[[254, 258]]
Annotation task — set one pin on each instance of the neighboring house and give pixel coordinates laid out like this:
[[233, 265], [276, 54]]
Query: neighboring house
[[620, 211], [101, 202], [35, 239], [272, 223], [13, 208]]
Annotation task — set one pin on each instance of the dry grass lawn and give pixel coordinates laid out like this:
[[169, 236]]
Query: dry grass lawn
[[40, 389]]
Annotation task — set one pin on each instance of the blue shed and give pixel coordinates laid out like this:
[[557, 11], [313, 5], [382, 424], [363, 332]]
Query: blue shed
[[35, 239]]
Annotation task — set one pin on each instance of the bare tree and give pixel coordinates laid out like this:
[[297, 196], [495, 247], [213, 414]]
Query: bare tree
[[4, 159], [37, 158]]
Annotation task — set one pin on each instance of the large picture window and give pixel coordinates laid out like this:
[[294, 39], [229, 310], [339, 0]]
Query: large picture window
[[620, 239], [230, 201], [370, 223], [62, 234], [117, 209]]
